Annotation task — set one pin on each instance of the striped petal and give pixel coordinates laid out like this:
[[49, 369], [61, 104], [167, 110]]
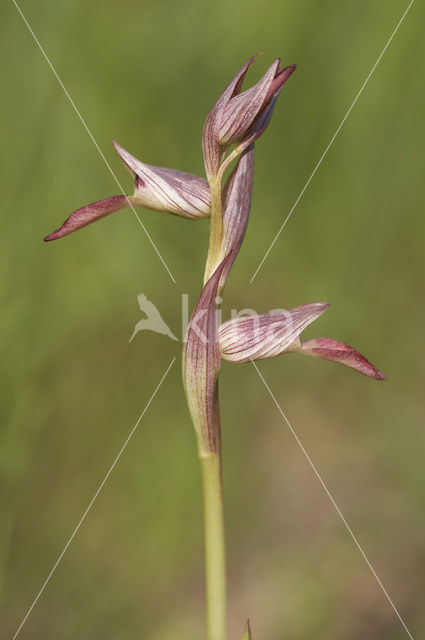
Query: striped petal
[[167, 190], [329, 349], [265, 335]]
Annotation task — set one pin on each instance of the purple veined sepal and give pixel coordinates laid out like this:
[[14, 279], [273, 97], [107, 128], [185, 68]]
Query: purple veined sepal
[[201, 364], [335, 351], [170, 190], [265, 335], [157, 188], [238, 116]]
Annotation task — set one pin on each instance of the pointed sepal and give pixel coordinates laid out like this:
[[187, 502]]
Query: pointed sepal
[[259, 336], [211, 131]]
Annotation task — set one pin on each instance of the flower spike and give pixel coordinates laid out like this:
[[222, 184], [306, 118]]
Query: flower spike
[[238, 118], [169, 190]]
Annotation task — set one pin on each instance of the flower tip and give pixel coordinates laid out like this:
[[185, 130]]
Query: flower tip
[[247, 632], [120, 150], [130, 161], [343, 353], [286, 72], [379, 375], [317, 308], [116, 145], [55, 235]]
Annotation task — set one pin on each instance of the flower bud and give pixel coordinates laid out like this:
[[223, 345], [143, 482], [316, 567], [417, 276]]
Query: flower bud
[[169, 190], [241, 117]]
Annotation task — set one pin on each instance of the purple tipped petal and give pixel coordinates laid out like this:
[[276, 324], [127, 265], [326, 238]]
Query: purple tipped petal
[[279, 81], [329, 349], [262, 121], [168, 190], [265, 335], [90, 213], [210, 135]]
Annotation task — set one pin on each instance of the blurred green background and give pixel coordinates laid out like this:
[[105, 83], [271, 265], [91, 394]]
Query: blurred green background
[[146, 74]]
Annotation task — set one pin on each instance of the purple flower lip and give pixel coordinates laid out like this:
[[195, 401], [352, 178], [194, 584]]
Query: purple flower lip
[[90, 213], [341, 352]]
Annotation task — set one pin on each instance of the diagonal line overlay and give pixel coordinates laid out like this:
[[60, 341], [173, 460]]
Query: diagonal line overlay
[[111, 468], [93, 139], [328, 493], [332, 140]]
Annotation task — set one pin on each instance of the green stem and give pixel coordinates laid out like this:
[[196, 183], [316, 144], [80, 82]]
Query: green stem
[[215, 555], [216, 229]]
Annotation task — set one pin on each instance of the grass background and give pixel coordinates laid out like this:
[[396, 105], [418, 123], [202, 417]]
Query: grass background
[[146, 74]]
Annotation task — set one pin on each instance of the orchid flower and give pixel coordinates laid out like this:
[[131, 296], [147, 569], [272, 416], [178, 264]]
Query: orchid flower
[[266, 335], [238, 118], [241, 117], [178, 192]]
